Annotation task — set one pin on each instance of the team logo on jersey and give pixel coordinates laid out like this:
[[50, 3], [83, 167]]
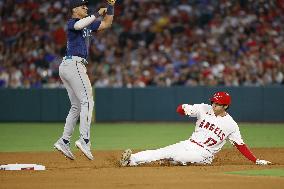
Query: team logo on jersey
[[211, 127], [87, 32]]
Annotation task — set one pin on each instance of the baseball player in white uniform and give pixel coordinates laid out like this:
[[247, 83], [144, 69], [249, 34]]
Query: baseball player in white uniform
[[74, 76], [214, 126]]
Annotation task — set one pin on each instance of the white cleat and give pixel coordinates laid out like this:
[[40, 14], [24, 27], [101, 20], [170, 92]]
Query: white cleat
[[85, 148], [64, 148]]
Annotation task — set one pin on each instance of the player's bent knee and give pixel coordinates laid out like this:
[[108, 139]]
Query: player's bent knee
[[75, 108], [84, 101]]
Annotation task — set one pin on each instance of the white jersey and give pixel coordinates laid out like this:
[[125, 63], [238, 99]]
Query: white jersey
[[211, 132]]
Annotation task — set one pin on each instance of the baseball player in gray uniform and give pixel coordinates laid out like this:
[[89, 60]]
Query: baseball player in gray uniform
[[74, 76]]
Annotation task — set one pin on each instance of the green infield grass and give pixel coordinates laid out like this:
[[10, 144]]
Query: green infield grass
[[264, 172], [117, 136]]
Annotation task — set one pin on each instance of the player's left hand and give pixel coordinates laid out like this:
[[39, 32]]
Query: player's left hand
[[262, 162], [102, 11], [111, 2]]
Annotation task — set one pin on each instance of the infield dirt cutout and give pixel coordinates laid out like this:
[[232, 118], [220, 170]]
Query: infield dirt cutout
[[104, 172]]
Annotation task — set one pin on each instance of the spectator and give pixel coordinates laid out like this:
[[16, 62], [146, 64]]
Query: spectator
[[153, 43]]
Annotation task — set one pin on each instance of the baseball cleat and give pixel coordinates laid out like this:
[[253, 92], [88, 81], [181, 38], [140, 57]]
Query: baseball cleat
[[125, 158], [64, 148], [85, 148]]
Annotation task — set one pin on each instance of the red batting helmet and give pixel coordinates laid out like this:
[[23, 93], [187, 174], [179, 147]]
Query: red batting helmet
[[221, 98]]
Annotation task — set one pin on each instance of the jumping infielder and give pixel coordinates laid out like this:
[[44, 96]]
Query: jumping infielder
[[213, 127], [74, 76]]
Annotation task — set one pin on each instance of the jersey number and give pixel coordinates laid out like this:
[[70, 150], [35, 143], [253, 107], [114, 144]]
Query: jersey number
[[210, 142]]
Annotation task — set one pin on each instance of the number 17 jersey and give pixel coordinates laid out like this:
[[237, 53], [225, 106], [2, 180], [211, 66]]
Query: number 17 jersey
[[211, 132]]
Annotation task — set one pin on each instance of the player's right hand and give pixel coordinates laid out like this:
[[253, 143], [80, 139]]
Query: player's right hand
[[262, 162], [102, 11]]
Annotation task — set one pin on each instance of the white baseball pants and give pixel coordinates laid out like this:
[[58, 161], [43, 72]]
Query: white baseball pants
[[73, 74], [182, 152]]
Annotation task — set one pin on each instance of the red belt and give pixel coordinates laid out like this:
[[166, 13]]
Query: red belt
[[193, 141]]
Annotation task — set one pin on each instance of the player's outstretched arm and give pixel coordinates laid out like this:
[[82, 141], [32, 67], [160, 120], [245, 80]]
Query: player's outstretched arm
[[189, 110], [107, 21], [249, 155], [84, 22]]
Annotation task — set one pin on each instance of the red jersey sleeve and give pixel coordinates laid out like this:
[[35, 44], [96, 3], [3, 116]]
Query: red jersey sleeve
[[246, 152], [180, 110]]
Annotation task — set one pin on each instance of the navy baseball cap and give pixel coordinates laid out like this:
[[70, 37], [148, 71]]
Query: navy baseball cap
[[77, 3]]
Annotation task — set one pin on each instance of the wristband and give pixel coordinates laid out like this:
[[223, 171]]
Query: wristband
[[110, 10]]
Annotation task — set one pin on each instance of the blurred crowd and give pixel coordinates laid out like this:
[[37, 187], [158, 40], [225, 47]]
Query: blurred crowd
[[151, 43]]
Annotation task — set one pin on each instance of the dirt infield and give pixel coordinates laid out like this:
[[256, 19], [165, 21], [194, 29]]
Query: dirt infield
[[104, 172]]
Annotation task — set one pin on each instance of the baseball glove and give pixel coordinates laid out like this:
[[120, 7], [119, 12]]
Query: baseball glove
[[111, 2]]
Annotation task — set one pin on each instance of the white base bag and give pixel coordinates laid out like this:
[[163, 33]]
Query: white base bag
[[19, 167]]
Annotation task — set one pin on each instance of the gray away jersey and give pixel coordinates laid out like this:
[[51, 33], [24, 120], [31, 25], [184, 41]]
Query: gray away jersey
[[78, 41]]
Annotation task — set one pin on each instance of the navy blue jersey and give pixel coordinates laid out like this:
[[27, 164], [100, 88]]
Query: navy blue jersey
[[78, 41]]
